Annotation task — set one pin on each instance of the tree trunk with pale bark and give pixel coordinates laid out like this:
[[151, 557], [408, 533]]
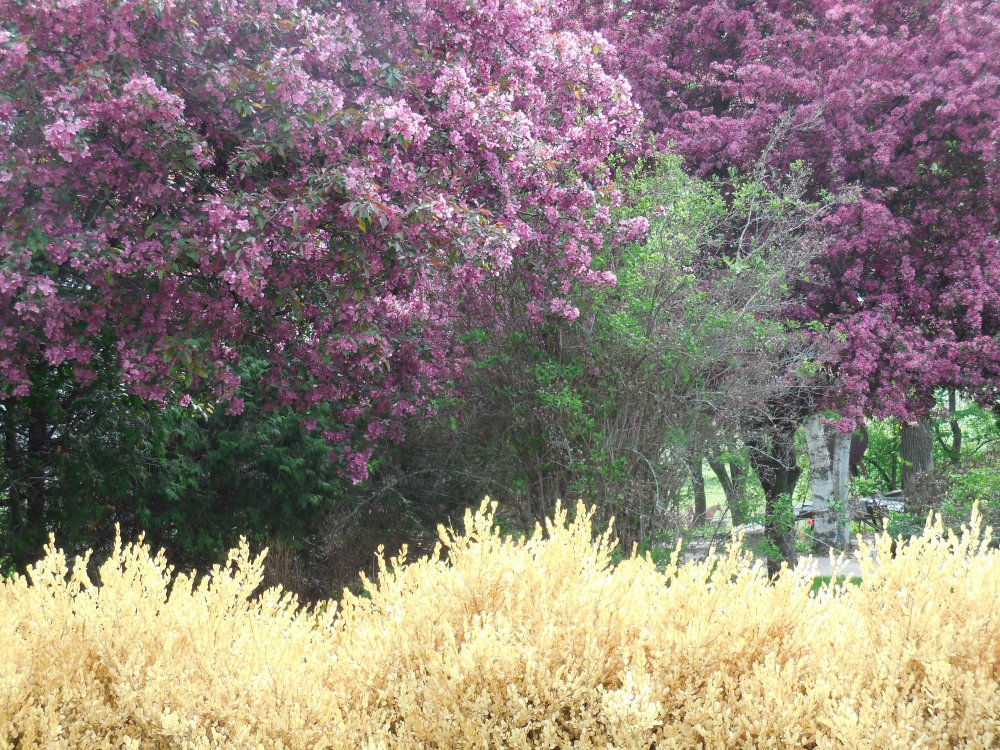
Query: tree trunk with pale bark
[[829, 464]]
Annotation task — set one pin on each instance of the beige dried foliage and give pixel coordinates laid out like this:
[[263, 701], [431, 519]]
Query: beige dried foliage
[[500, 643]]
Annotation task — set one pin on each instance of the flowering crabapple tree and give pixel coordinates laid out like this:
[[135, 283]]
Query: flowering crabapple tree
[[900, 100], [199, 178]]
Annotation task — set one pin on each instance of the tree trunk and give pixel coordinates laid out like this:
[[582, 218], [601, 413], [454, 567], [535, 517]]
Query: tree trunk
[[698, 490], [956, 429], [916, 449], [894, 467], [773, 458], [25, 454], [38, 438], [733, 480], [13, 518], [859, 446], [829, 463]]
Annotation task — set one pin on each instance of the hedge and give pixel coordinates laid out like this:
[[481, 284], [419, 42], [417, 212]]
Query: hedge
[[495, 642]]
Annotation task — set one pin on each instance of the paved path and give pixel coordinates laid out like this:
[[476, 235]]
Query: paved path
[[851, 566]]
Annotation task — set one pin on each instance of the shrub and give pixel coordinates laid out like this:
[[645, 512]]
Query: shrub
[[496, 642]]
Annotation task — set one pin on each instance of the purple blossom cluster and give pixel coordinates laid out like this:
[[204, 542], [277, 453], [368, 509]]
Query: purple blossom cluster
[[895, 103], [188, 181]]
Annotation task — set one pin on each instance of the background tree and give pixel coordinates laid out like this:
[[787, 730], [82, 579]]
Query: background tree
[[301, 223], [683, 353], [948, 489], [906, 98], [732, 475]]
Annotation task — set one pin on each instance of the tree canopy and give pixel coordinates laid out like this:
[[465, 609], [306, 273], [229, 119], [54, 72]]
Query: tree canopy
[[597, 237], [189, 182], [900, 101]]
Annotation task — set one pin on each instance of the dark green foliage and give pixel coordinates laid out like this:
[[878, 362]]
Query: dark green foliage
[[192, 479]]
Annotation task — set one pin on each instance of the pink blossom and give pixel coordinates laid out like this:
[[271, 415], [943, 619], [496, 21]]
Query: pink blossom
[[899, 105], [308, 182]]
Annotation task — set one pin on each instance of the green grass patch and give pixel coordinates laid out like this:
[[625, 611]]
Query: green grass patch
[[821, 581]]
